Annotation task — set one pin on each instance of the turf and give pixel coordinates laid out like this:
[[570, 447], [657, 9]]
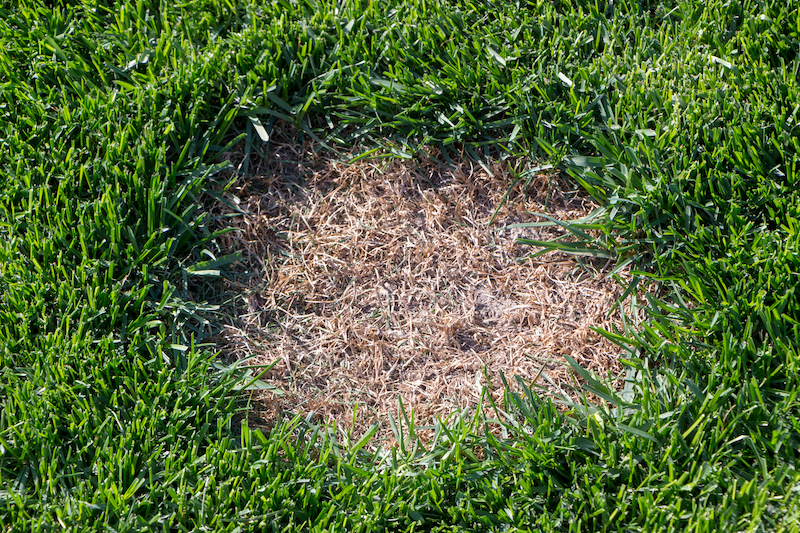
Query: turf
[[681, 118]]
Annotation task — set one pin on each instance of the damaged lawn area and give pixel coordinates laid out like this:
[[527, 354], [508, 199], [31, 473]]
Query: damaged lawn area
[[403, 279]]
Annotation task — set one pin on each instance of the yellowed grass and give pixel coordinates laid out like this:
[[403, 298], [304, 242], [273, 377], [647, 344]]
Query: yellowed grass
[[385, 278]]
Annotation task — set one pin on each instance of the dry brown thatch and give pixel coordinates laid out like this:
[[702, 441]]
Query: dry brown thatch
[[385, 278]]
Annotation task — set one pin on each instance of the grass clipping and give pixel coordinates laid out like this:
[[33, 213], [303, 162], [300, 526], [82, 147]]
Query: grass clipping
[[391, 278]]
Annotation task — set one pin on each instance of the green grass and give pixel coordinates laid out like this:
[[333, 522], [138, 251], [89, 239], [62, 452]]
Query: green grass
[[681, 118]]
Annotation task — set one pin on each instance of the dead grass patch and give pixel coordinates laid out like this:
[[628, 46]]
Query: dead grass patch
[[385, 278]]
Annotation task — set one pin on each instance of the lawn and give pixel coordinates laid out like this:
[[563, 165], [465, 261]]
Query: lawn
[[680, 119]]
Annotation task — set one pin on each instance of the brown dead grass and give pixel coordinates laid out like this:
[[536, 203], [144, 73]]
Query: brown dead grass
[[385, 278]]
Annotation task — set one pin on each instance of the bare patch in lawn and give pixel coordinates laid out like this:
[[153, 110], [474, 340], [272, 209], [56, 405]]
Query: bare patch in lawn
[[389, 278]]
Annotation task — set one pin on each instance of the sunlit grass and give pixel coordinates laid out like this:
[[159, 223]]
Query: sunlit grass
[[680, 118]]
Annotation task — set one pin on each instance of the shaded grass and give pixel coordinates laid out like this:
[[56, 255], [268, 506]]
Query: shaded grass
[[679, 117]]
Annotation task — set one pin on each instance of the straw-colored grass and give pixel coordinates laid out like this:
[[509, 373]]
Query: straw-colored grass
[[385, 278]]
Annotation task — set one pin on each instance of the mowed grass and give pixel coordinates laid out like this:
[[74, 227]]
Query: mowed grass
[[681, 118]]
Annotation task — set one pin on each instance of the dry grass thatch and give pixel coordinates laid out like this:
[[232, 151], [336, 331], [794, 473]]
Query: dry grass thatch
[[385, 278]]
